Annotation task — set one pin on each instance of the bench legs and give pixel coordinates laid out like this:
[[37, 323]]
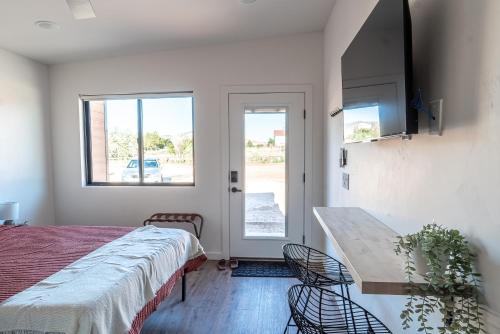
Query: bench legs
[[184, 287]]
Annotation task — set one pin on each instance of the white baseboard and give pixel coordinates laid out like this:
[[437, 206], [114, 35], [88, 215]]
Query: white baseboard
[[214, 255]]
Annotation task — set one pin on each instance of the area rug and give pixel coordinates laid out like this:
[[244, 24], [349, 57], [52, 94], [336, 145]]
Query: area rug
[[262, 269]]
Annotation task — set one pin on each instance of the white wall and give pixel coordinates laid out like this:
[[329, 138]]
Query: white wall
[[290, 60], [453, 179], [25, 150]]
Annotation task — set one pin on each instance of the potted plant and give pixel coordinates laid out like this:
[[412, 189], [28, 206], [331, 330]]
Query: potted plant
[[452, 284]]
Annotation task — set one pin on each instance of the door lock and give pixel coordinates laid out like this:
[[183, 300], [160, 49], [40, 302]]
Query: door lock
[[235, 190], [234, 176]]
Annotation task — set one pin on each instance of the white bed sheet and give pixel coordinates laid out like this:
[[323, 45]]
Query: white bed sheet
[[102, 292]]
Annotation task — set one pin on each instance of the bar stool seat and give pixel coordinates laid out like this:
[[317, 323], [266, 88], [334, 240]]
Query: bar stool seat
[[313, 267], [316, 310]]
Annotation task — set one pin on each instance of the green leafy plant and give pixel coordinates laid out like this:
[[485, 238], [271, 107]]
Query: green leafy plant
[[451, 283]]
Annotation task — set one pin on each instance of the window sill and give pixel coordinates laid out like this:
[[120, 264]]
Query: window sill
[[136, 185]]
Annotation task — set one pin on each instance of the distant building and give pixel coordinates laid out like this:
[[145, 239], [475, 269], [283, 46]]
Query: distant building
[[279, 138]]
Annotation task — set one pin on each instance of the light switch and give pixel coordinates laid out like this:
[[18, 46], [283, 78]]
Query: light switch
[[345, 180], [436, 117], [343, 157]]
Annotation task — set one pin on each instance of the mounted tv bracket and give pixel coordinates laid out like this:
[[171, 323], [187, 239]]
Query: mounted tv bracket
[[434, 112], [336, 112]]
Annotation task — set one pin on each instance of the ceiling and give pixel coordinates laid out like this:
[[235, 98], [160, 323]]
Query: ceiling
[[137, 26]]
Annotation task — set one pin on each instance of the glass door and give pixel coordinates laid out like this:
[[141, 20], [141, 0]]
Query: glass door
[[267, 166]]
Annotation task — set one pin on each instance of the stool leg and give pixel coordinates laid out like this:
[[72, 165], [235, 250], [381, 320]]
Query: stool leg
[[290, 319], [344, 305], [287, 324], [350, 307]]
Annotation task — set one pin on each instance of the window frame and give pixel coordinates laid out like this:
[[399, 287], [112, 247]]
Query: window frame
[[87, 137]]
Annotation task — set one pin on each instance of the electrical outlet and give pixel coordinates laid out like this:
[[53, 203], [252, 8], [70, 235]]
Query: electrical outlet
[[436, 117], [345, 180]]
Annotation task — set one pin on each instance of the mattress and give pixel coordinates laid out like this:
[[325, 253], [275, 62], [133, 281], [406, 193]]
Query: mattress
[[88, 279]]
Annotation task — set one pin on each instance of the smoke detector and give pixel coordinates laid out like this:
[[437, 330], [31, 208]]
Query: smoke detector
[[47, 25]]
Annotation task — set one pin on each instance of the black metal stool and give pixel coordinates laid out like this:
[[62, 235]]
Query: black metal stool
[[317, 310], [313, 267]]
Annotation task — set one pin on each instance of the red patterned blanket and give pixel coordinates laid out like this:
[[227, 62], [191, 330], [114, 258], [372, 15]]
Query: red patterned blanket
[[30, 254]]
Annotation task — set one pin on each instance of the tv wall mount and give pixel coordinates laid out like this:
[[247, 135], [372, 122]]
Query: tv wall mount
[[336, 112]]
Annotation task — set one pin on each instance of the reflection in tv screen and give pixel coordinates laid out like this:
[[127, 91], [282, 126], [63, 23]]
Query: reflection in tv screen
[[361, 124]]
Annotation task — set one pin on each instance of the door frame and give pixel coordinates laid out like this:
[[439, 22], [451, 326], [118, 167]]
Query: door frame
[[307, 90]]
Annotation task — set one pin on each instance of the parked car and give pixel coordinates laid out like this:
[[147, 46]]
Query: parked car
[[152, 171]]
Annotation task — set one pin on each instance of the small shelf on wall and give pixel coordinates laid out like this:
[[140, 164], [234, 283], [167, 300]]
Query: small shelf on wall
[[366, 247]]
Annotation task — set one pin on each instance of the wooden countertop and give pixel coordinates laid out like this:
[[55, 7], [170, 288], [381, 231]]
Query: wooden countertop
[[366, 247]]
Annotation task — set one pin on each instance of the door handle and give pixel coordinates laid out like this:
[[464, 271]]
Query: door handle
[[235, 190]]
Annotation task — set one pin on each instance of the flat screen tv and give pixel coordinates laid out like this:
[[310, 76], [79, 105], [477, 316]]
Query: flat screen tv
[[377, 76]]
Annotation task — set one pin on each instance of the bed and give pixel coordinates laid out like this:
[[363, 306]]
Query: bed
[[86, 280]]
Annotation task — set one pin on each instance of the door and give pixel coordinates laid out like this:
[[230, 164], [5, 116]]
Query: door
[[266, 189]]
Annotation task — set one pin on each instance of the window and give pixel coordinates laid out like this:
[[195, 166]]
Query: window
[[265, 172], [139, 140]]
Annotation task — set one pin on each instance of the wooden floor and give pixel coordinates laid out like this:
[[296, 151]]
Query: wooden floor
[[218, 303]]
